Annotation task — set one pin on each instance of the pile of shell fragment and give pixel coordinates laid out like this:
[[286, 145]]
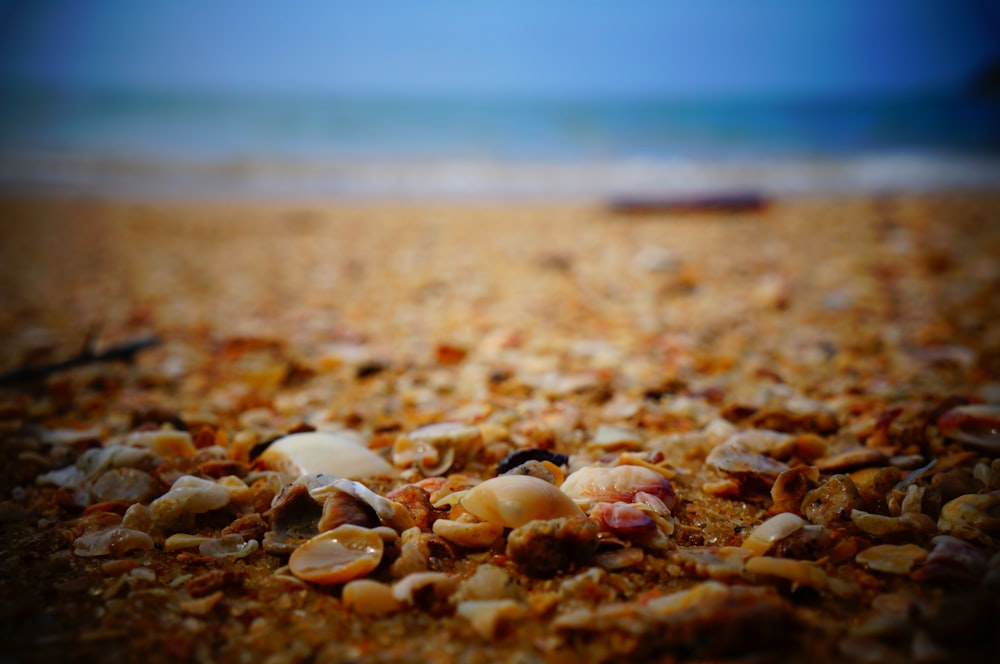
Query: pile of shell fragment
[[374, 518]]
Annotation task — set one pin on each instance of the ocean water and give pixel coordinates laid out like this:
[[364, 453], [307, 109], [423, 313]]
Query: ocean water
[[321, 146]]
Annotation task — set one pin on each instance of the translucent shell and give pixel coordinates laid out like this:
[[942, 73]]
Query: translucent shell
[[618, 484], [434, 448], [514, 500], [337, 556], [976, 424], [318, 452]]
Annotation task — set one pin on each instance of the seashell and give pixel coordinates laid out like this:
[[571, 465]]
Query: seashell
[[832, 501], [974, 517], [337, 556], [318, 452], [188, 496], [618, 559], [228, 547], [514, 500], [777, 527], [892, 558], [685, 600], [413, 554], [181, 541], [796, 571], [733, 457], [720, 563], [855, 457], [340, 508], [488, 582], [391, 513], [629, 522], [975, 424], [115, 541], [137, 517], [791, 487], [423, 587], [879, 525], [367, 597], [164, 442], [470, 534], [127, 485], [294, 517], [488, 616], [617, 484], [953, 560], [611, 437], [434, 448]]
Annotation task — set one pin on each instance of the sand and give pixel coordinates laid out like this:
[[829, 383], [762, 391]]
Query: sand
[[274, 315]]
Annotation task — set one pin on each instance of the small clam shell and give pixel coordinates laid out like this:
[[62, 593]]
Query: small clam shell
[[411, 588], [318, 452], [487, 616], [188, 496], [391, 513], [514, 500], [977, 425], [337, 556]]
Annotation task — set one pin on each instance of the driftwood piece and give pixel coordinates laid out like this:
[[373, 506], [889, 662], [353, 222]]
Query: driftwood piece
[[124, 352]]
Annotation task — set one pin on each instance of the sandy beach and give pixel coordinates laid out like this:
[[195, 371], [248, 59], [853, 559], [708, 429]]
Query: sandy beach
[[384, 317]]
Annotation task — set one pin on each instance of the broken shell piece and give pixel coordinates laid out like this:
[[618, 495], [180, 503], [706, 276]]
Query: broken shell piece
[[188, 496], [127, 485], [777, 527], [974, 517], [470, 534], [179, 541], [616, 484], [337, 556], [228, 547], [796, 571], [975, 424], [953, 560], [434, 448], [629, 522], [413, 554], [165, 442], [370, 598], [317, 452], [514, 500], [879, 525], [487, 617], [752, 452], [391, 513], [294, 517], [488, 582], [424, 588], [611, 437], [115, 541], [892, 558]]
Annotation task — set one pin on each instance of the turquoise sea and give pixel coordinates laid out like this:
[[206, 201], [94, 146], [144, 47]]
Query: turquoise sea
[[161, 144]]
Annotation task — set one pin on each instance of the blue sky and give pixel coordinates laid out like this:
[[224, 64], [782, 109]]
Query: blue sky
[[679, 48]]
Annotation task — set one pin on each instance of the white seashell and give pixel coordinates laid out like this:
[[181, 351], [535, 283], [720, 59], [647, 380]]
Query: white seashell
[[514, 500], [777, 527], [179, 541], [796, 571], [189, 495], [336, 556], [317, 452]]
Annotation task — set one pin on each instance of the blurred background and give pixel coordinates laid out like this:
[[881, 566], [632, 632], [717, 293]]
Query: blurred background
[[500, 99]]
